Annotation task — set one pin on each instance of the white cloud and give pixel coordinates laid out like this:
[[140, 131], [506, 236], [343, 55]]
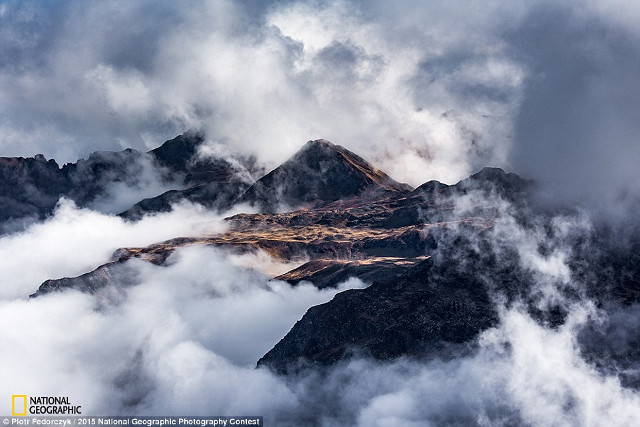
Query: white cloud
[[424, 91], [266, 86], [186, 338], [75, 241]]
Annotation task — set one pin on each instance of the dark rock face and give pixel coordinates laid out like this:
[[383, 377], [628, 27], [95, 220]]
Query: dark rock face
[[107, 283], [31, 187], [180, 156], [434, 307], [88, 179], [215, 183], [178, 153], [326, 273], [438, 306], [422, 312], [319, 172], [416, 306], [218, 194]]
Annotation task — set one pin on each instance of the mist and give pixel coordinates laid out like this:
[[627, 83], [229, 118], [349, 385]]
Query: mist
[[75, 241], [202, 321], [577, 128], [432, 97]]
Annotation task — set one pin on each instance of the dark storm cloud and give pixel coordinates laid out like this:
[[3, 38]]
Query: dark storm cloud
[[74, 75], [578, 129]]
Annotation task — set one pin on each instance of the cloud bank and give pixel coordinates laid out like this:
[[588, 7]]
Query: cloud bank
[[186, 338]]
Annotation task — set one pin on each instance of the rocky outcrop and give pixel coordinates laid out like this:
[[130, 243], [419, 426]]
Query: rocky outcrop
[[422, 312], [31, 187], [326, 273]]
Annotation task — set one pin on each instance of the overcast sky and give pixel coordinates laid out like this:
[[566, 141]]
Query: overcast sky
[[425, 90]]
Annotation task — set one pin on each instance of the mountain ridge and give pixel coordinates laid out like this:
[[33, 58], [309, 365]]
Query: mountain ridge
[[32, 186], [433, 267]]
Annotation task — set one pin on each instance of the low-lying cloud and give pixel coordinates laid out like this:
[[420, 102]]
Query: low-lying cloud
[[199, 323], [186, 338], [74, 241]]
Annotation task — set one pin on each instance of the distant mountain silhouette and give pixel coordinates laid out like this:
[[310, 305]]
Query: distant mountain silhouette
[[31, 187]]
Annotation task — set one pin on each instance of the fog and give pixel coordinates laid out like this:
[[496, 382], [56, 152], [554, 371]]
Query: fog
[[75, 241]]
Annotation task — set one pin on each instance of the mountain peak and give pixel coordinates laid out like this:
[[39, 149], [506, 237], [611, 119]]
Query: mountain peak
[[177, 152], [496, 180], [319, 172], [318, 142], [322, 148]]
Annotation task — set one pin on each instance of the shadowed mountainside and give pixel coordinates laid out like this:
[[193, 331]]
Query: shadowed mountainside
[[31, 187], [319, 172]]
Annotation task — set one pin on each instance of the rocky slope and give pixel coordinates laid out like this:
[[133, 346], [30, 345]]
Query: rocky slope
[[31, 187], [424, 311], [320, 172]]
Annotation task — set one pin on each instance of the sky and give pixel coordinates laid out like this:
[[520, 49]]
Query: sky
[[424, 90]]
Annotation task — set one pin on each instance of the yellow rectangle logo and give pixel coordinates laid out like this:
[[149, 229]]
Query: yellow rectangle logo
[[19, 404]]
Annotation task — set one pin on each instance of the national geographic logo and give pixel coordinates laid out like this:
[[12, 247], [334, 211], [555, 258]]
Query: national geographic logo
[[22, 405], [19, 404]]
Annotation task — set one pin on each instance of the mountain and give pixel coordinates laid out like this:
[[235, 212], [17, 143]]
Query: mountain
[[421, 312], [435, 267], [434, 307], [31, 187], [176, 154], [374, 236], [320, 172]]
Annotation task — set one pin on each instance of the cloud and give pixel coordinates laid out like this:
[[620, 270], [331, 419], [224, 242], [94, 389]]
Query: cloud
[[139, 179], [74, 241], [434, 103], [186, 338], [188, 331], [161, 353], [545, 89], [577, 129]]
